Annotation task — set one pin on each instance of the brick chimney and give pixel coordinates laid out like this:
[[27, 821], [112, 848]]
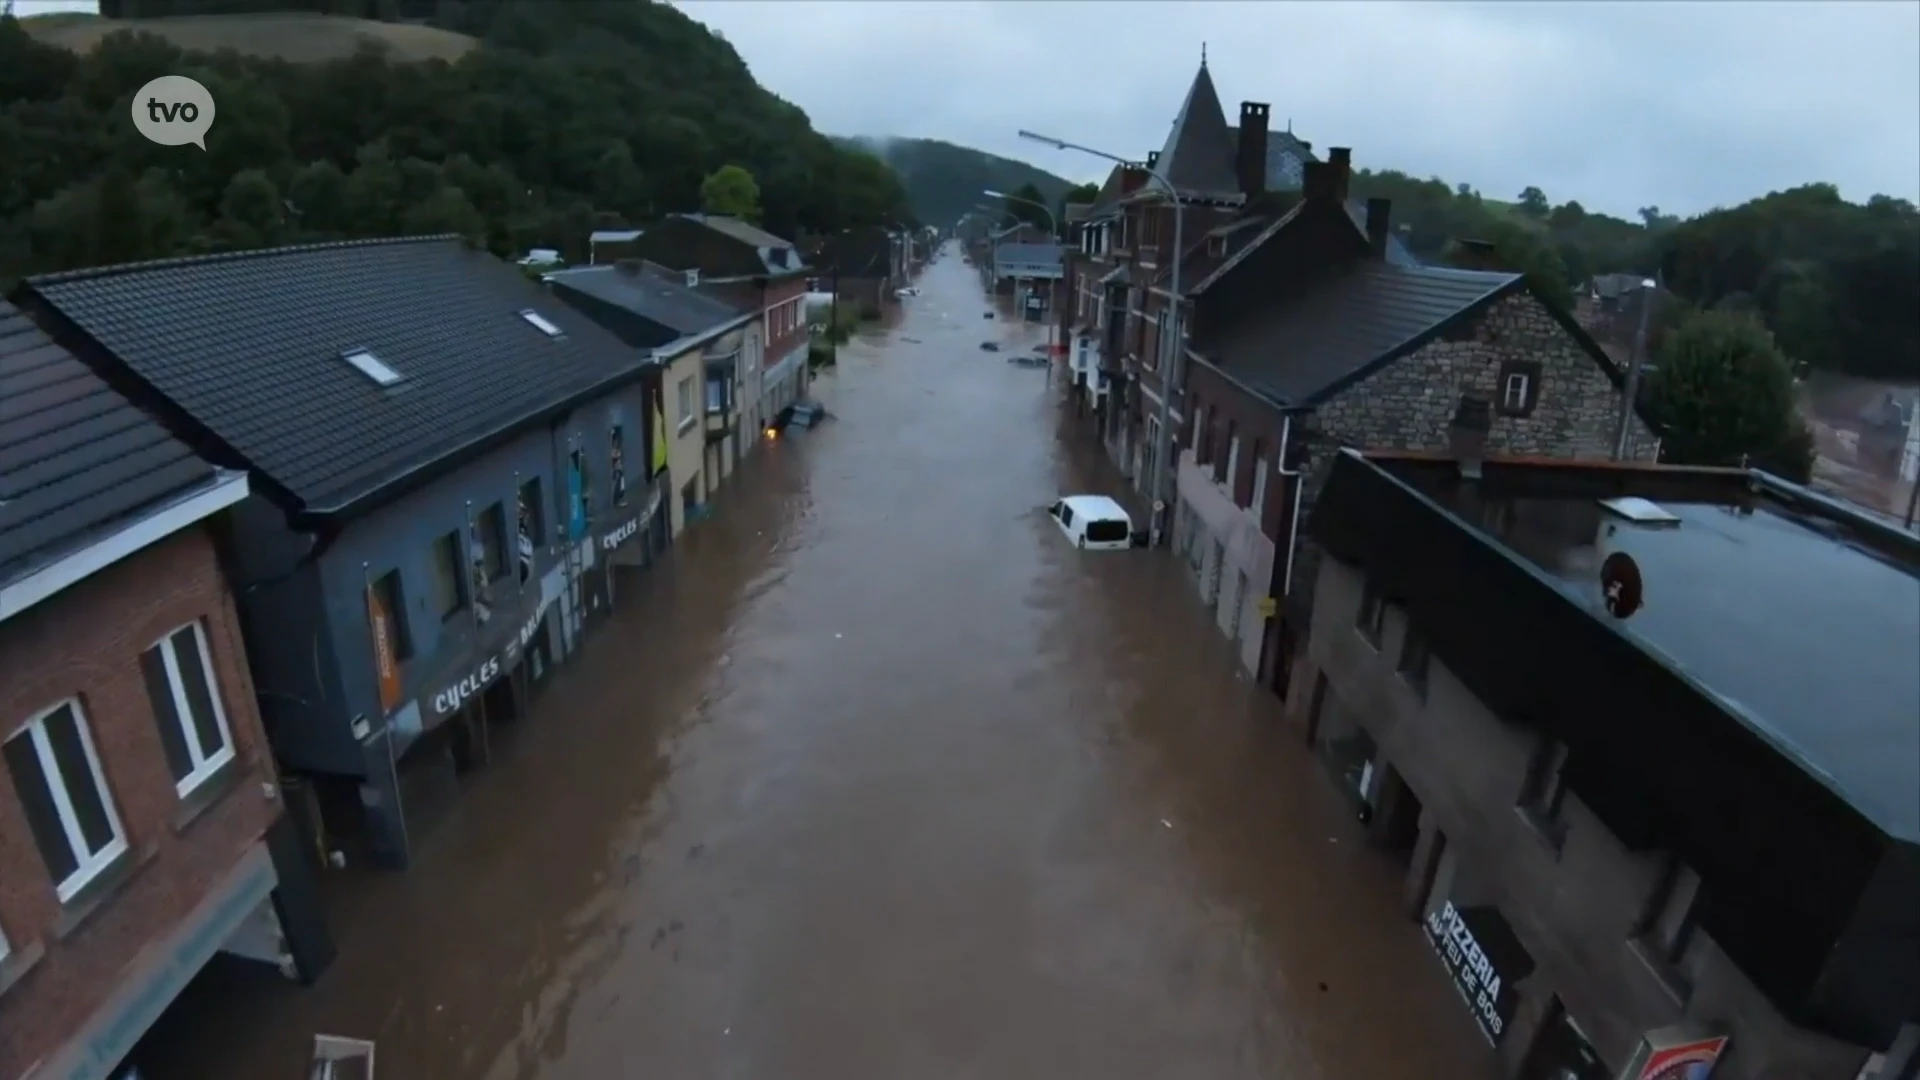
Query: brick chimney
[[1340, 171], [1250, 156], [1379, 226]]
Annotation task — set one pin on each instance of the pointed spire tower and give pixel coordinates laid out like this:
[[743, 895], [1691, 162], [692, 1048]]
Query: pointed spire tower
[[1198, 159]]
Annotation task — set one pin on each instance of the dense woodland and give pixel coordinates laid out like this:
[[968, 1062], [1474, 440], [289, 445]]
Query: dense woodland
[[945, 182], [572, 116]]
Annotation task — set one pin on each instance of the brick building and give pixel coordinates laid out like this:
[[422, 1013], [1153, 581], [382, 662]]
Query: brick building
[[1644, 740], [141, 821]]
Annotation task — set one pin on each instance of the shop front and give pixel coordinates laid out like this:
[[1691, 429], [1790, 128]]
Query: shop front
[[634, 540], [1485, 960]]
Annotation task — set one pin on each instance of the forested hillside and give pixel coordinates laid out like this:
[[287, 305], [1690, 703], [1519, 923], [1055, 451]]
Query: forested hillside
[[944, 181], [571, 116], [1835, 281]]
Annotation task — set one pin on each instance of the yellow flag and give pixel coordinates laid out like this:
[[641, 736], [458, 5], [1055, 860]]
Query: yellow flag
[[659, 441]]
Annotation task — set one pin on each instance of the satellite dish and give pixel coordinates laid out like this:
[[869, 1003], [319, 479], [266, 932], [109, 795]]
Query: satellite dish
[[1620, 585]]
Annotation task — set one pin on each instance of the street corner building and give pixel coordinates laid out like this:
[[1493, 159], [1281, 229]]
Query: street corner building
[[142, 826], [703, 351], [1645, 741], [752, 271], [448, 467]]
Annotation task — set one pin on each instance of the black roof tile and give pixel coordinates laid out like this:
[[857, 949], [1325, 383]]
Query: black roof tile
[[1339, 329], [1198, 158], [250, 346], [76, 458], [652, 296]]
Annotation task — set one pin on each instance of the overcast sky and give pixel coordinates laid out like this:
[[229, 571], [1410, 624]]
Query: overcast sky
[[1619, 105]]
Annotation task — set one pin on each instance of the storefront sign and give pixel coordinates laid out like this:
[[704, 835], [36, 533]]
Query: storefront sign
[[1674, 1054], [1456, 936], [385, 664], [633, 526], [451, 695]]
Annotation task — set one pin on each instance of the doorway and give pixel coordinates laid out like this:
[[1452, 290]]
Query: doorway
[[1561, 1051]]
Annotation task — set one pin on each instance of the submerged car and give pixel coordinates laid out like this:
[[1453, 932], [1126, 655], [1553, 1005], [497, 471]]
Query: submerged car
[[1093, 522]]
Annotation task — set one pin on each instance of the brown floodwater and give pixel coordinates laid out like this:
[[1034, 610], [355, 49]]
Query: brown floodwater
[[876, 776]]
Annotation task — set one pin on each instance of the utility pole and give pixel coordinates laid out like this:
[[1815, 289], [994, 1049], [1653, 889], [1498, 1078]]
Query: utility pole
[[1649, 288]]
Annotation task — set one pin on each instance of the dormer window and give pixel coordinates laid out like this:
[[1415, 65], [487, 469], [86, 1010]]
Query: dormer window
[[371, 366], [1216, 247], [539, 322]]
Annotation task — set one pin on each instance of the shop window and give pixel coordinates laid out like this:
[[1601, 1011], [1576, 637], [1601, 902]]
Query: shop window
[[449, 591], [492, 531], [1414, 657], [1543, 793], [1372, 619], [178, 671], [617, 463]]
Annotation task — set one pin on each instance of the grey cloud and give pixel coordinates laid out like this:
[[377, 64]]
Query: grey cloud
[[1619, 105]]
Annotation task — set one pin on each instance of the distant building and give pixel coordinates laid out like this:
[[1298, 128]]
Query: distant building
[[1645, 741]]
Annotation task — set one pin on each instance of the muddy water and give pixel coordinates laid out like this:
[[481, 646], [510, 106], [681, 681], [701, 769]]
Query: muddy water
[[877, 777]]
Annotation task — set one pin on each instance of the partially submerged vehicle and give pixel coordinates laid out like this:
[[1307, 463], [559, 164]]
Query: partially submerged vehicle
[[1093, 522]]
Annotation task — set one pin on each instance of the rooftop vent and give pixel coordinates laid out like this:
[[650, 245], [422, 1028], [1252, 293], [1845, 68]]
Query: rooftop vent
[[1640, 511], [539, 322], [370, 365], [693, 278]]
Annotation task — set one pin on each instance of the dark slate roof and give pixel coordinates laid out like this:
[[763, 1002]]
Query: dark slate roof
[[1198, 158], [76, 458], [652, 296], [1201, 260], [777, 254], [1281, 145], [1343, 328], [250, 346]]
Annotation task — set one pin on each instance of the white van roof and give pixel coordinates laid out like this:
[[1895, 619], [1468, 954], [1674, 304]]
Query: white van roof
[[1097, 508]]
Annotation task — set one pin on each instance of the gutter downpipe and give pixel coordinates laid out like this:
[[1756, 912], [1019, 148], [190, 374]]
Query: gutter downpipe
[[1299, 490]]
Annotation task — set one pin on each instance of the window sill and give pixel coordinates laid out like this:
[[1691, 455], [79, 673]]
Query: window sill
[[18, 963], [210, 793], [1670, 980], [76, 912]]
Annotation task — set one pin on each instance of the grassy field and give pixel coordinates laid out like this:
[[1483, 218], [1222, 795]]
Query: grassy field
[[295, 36]]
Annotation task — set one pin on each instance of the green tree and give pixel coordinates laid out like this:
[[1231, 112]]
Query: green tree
[[1028, 205], [1723, 393], [731, 190], [1534, 204]]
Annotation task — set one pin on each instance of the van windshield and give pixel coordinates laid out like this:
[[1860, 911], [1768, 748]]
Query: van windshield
[[1107, 532]]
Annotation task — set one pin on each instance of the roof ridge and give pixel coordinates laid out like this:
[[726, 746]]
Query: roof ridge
[[84, 273]]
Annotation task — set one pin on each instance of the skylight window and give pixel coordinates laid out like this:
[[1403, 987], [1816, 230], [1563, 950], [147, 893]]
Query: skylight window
[[539, 322], [1636, 509], [370, 366]]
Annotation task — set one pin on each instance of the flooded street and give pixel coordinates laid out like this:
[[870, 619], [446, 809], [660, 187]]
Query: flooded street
[[876, 776]]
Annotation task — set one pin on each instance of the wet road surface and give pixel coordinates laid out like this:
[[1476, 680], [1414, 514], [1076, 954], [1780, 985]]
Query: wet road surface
[[877, 777]]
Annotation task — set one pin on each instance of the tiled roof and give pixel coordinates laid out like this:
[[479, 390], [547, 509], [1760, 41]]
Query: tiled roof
[[252, 346], [1282, 146], [1026, 253], [1203, 259], [777, 254], [76, 458], [678, 310], [1198, 158], [1341, 329]]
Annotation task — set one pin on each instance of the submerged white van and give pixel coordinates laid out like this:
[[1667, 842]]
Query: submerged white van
[[1093, 522]]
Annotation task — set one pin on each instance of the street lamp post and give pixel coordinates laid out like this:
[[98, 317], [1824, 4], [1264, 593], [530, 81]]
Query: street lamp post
[[1172, 366]]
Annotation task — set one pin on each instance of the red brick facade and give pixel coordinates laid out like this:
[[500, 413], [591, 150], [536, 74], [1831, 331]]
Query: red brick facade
[[86, 643], [1227, 412], [791, 332]]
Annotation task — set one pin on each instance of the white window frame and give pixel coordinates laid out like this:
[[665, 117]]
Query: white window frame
[[1233, 465], [203, 765], [87, 866], [1259, 486], [686, 397], [1516, 380]]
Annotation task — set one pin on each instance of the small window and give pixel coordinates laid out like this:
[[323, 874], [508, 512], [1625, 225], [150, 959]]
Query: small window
[[370, 366], [449, 589], [532, 526], [1544, 791], [684, 393], [539, 322], [1202, 451], [1372, 619], [617, 463], [183, 692], [1519, 387], [1233, 468], [1259, 504], [1225, 461], [386, 589], [1413, 660], [716, 393], [582, 493], [1216, 246], [1066, 514], [57, 776], [492, 527]]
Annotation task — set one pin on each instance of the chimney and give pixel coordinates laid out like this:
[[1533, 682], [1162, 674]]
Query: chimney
[[1339, 171], [1250, 157], [1379, 226], [1467, 434], [1313, 181], [1474, 255]]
